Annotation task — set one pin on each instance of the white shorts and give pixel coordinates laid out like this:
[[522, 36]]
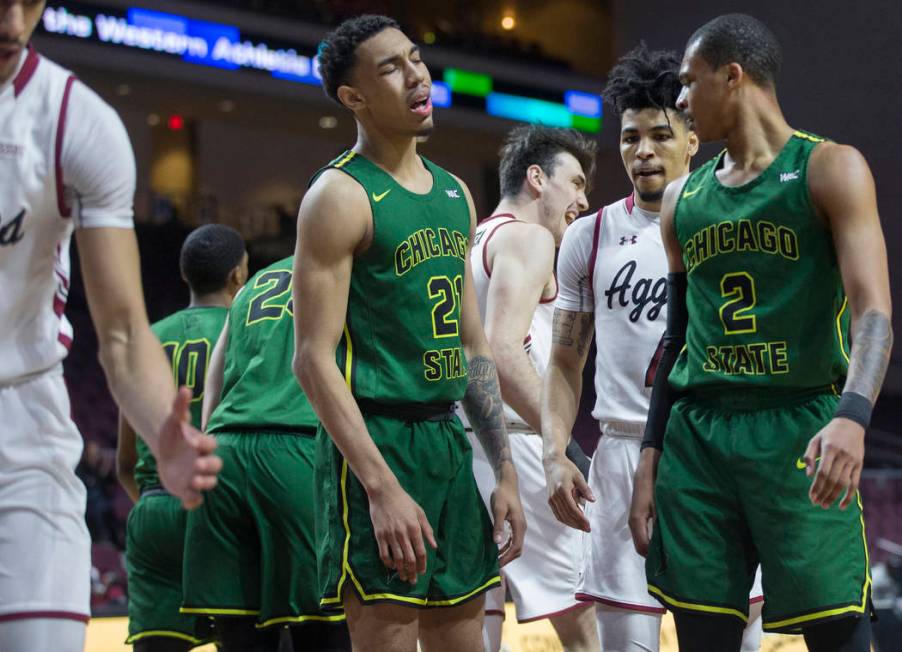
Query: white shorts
[[542, 580], [614, 572], [45, 549]]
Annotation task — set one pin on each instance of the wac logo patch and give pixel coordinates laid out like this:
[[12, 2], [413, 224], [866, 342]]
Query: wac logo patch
[[789, 176], [453, 194], [11, 232]]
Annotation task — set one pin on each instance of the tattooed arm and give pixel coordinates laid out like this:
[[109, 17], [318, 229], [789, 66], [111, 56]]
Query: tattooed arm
[[482, 403], [842, 190], [561, 389]]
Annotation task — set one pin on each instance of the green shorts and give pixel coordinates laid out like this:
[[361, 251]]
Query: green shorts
[[433, 462], [153, 557], [731, 493], [249, 549]]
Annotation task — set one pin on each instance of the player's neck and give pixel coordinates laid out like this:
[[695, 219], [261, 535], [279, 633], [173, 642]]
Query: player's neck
[[395, 155], [525, 209], [760, 132], [647, 206], [212, 300]]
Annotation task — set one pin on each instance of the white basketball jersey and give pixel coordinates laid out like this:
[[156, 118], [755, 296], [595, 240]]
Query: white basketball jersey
[[37, 206], [613, 264], [538, 340]]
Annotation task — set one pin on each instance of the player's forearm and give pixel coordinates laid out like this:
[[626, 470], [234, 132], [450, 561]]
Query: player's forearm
[[139, 377], [872, 343], [521, 387], [485, 411], [337, 410], [562, 388]]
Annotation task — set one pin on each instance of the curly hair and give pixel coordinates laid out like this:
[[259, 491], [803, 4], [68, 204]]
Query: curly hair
[[337, 51], [208, 256], [742, 39], [536, 145], [644, 79]]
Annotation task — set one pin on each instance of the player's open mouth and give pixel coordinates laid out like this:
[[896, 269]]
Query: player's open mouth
[[649, 173], [422, 106]]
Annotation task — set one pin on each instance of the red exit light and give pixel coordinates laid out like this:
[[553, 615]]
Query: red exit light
[[176, 122]]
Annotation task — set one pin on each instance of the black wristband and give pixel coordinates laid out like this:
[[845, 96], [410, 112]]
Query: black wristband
[[855, 407]]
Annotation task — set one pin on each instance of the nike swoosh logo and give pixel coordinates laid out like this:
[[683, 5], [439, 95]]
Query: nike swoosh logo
[[378, 198], [801, 465], [689, 193]]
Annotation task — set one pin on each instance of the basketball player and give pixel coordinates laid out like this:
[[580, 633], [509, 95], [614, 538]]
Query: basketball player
[[771, 246], [59, 175], [612, 269], [213, 263], [382, 286], [543, 174], [250, 555]]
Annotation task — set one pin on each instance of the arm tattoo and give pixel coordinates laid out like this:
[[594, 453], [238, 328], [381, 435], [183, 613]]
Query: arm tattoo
[[872, 342], [484, 409], [563, 325]]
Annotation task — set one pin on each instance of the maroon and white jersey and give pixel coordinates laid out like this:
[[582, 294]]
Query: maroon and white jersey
[[538, 340], [613, 264], [65, 163]]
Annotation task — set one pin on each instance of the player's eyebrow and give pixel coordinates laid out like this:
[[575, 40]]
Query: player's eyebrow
[[394, 58]]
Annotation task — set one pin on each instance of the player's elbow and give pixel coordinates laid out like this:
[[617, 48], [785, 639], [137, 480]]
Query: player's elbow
[[305, 365]]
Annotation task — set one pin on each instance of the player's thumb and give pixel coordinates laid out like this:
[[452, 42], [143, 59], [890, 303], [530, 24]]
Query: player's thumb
[[182, 403], [811, 454], [583, 488]]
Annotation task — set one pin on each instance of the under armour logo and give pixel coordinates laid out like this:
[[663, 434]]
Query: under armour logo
[[628, 239], [11, 232], [452, 194]]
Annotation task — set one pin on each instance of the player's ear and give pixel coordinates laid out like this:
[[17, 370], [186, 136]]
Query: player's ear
[[350, 97], [735, 74], [692, 149], [535, 179]]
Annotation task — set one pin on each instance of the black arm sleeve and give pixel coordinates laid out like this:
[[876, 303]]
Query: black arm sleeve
[[663, 396]]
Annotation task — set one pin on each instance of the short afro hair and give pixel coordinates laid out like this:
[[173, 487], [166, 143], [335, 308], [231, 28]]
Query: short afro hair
[[741, 39], [644, 79], [337, 51], [528, 145], [209, 255]]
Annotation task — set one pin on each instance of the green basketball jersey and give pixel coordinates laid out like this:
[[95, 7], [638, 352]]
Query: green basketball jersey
[[765, 299], [188, 337], [401, 342], [259, 390]]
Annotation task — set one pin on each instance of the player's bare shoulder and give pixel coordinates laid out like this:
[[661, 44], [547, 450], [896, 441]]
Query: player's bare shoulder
[[837, 173], [336, 207]]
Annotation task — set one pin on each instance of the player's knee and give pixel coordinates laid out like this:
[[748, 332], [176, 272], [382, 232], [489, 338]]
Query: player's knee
[[852, 634]]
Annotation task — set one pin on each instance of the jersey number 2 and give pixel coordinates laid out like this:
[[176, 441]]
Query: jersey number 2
[[739, 288]]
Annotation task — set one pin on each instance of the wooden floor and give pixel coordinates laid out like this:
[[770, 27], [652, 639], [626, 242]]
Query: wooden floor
[[108, 634]]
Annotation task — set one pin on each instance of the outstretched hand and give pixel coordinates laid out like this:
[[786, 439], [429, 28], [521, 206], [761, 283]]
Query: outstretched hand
[[567, 493], [185, 460]]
